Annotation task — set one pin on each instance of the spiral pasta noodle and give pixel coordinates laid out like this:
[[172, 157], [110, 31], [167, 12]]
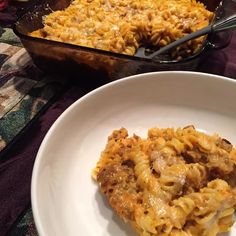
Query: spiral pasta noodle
[[174, 182]]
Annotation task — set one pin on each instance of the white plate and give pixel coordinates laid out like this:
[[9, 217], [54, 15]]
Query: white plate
[[65, 200]]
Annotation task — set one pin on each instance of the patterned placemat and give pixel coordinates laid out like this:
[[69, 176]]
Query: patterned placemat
[[24, 226], [24, 92]]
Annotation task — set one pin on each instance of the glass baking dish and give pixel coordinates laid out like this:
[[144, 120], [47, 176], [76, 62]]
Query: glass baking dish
[[59, 57]]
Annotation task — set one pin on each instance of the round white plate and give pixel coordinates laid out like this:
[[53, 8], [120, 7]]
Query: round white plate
[[65, 200]]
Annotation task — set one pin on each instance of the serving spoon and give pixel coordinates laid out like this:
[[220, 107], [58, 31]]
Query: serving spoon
[[228, 23]]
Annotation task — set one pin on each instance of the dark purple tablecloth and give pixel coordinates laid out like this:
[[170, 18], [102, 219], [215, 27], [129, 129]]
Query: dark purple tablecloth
[[16, 168]]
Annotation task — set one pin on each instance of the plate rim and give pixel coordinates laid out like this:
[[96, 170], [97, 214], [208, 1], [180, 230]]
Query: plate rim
[[39, 156]]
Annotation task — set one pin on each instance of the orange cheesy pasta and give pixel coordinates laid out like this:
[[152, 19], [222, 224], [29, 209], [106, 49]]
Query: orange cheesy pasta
[[175, 182], [122, 26]]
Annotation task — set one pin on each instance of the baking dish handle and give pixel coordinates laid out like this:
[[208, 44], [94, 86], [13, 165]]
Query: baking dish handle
[[220, 40]]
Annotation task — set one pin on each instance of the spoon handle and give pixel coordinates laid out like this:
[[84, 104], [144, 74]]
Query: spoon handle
[[227, 23]]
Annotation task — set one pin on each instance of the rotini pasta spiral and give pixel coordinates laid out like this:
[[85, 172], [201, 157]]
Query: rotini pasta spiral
[[175, 182]]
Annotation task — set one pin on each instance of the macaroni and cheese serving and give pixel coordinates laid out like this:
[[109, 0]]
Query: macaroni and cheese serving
[[122, 26], [174, 182]]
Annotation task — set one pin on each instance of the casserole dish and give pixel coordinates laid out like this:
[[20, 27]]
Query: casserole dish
[[54, 56]]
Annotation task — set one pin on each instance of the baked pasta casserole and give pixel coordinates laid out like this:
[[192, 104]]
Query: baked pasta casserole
[[122, 26], [174, 182]]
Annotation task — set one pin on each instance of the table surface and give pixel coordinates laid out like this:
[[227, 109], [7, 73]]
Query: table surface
[[17, 161]]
